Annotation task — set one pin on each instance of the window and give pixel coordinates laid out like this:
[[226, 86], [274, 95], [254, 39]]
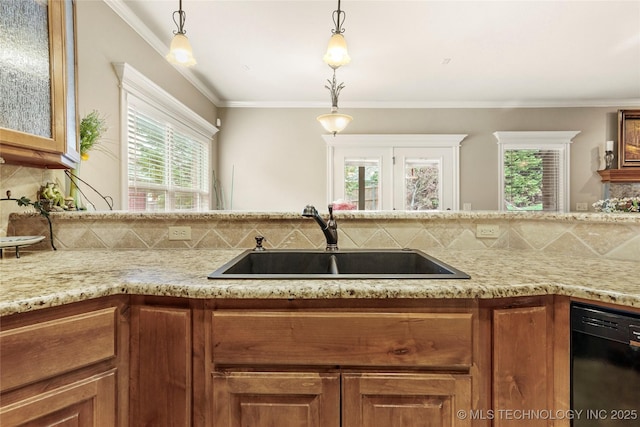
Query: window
[[534, 170], [422, 184], [167, 151], [405, 172]]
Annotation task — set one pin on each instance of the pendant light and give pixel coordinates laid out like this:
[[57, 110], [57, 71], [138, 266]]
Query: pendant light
[[334, 122], [180, 52], [337, 54]]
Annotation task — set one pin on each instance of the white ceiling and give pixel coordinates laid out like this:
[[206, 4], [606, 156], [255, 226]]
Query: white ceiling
[[406, 53]]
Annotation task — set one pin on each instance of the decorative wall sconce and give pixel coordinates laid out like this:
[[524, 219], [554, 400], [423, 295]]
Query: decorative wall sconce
[[180, 52]]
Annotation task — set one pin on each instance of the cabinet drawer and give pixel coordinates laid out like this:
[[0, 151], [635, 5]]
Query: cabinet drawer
[[46, 349], [356, 339]]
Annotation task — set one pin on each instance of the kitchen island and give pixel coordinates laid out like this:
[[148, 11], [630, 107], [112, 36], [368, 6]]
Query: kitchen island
[[47, 279], [149, 340]]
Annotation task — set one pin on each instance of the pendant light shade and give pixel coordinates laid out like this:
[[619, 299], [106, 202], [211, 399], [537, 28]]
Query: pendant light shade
[[337, 54], [180, 51], [334, 122]]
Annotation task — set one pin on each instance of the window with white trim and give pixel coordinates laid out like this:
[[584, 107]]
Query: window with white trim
[[534, 170], [384, 172], [167, 151]]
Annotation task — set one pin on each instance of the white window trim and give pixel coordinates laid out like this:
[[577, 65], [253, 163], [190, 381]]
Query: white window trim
[[540, 140], [136, 84], [451, 141]]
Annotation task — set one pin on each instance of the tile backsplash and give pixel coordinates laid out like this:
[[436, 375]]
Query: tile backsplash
[[21, 181], [615, 236]]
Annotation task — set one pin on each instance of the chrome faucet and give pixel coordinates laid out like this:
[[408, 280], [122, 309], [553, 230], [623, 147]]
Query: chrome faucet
[[329, 228]]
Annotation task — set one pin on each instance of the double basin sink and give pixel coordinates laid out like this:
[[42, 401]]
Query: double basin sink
[[342, 264]]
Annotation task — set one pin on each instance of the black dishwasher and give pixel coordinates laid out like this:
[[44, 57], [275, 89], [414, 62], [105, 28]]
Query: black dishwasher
[[605, 367]]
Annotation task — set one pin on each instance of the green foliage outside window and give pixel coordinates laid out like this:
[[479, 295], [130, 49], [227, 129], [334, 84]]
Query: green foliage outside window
[[523, 173]]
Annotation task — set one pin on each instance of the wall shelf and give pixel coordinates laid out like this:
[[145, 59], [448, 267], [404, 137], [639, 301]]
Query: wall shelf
[[620, 175]]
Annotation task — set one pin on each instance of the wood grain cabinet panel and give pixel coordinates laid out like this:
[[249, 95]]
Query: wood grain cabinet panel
[[160, 366], [90, 402], [43, 350], [406, 400], [345, 339], [267, 399], [522, 357]]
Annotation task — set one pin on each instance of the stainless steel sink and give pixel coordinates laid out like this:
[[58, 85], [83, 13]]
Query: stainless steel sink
[[354, 264]]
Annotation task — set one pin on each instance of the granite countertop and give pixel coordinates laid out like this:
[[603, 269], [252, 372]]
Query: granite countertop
[[593, 217], [46, 279]]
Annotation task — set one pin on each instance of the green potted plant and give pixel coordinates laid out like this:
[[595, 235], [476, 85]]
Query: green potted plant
[[92, 128]]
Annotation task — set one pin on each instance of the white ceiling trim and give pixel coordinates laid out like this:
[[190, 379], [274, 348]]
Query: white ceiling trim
[[124, 12], [634, 102]]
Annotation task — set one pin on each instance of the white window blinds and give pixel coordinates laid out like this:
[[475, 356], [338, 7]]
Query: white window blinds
[[168, 147], [168, 166]]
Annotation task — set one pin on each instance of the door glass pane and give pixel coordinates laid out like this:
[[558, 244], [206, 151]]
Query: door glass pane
[[422, 184], [361, 185]]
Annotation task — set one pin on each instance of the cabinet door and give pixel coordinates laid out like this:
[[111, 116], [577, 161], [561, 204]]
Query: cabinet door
[[160, 366], [406, 400], [40, 122], [265, 399], [522, 352], [89, 402]]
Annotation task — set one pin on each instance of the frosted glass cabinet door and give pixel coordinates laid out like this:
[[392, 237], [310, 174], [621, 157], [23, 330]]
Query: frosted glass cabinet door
[[38, 122]]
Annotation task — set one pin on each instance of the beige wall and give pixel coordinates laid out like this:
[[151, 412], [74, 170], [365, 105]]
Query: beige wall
[[102, 39], [278, 158]]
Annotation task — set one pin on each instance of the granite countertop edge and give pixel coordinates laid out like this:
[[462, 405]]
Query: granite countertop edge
[[47, 279], [592, 217]]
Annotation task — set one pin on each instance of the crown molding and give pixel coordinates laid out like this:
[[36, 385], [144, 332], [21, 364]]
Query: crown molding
[[601, 103]]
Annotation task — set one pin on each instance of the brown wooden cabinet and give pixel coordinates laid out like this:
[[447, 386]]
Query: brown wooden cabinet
[[406, 399], [300, 399], [89, 402], [341, 368], [530, 352], [132, 361], [59, 147], [61, 367], [161, 361]]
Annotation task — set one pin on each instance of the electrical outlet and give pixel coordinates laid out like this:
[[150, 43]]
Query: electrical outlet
[[180, 233], [487, 231], [582, 207], [466, 206]]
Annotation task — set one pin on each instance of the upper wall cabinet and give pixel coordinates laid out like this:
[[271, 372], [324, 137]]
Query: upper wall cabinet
[[38, 120]]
